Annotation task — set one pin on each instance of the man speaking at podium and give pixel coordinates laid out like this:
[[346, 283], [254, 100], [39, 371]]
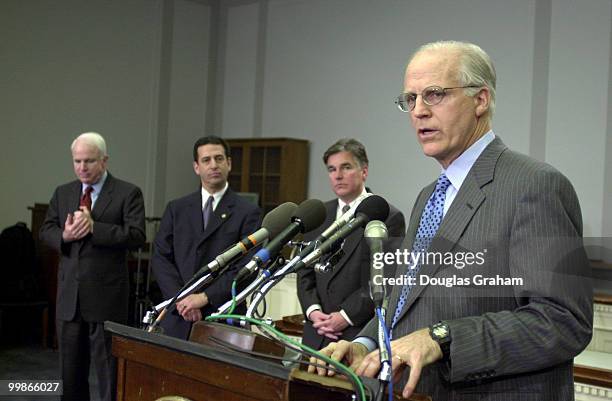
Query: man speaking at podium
[[515, 337], [195, 229], [337, 303]]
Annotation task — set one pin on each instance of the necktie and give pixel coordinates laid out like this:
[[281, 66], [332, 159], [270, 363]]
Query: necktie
[[345, 208], [428, 226], [86, 198], [207, 211]]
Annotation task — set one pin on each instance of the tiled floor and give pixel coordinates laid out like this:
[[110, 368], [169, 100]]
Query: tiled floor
[[27, 361], [22, 361]]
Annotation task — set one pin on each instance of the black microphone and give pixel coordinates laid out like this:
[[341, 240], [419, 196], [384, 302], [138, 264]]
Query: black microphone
[[371, 208], [271, 225], [308, 216], [375, 233], [335, 226]]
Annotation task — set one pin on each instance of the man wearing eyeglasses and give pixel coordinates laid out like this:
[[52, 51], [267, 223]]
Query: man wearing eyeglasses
[[506, 324]]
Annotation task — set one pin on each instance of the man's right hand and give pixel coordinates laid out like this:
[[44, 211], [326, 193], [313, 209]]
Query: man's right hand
[[318, 319], [75, 227], [351, 354]]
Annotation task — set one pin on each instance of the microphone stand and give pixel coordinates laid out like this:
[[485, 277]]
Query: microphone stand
[[261, 293], [154, 317], [384, 376]]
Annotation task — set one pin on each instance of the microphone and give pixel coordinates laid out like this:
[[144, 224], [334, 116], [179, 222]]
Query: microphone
[[308, 216], [375, 232], [333, 227], [271, 225], [372, 208]]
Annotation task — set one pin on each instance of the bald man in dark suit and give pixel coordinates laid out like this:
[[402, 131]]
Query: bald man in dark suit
[[92, 222]]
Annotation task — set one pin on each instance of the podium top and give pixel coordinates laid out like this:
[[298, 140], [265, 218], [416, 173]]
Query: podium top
[[242, 360]]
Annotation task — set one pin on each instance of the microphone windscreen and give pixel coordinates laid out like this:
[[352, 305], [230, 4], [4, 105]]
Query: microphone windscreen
[[311, 213], [278, 218], [376, 229], [375, 207]]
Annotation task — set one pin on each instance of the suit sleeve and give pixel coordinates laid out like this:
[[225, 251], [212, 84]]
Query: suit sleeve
[[52, 228], [307, 287], [553, 319], [130, 233], [163, 262], [220, 291], [358, 306]]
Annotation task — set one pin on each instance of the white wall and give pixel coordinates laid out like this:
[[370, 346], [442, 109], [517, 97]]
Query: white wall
[[69, 67], [135, 71], [153, 75], [332, 69]]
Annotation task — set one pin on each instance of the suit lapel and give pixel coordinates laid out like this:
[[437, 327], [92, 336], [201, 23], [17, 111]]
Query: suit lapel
[[74, 200], [104, 198], [221, 214], [349, 246], [467, 202]]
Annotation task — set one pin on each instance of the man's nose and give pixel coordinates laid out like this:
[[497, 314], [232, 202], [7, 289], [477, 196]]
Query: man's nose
[[421, 109]]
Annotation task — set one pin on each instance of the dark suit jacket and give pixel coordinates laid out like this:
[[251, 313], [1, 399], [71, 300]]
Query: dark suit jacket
[[182, 247], [513, 342], [346, 286], [93, 270]]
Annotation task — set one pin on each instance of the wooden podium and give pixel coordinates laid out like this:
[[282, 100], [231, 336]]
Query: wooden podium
[[151, 366]]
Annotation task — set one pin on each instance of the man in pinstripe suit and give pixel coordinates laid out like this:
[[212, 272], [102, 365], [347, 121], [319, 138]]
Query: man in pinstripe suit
[[455, 338]]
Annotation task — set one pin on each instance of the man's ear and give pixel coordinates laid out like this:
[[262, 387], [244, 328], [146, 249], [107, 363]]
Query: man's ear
[[365, 172], [483, 101], [196, 168]]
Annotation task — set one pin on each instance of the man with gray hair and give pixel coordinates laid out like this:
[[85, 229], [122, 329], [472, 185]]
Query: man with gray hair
[[506, 324], [92, 222], [337, 304]]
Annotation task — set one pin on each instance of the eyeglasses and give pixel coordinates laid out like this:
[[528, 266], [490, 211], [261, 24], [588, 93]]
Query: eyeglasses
[[431, 95]]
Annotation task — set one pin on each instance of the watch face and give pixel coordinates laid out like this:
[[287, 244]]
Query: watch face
[[440, 331]]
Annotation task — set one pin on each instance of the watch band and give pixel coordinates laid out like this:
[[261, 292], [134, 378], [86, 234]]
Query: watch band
[[440, 333]]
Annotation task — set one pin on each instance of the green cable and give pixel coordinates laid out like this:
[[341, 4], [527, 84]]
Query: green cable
[[347, 371]]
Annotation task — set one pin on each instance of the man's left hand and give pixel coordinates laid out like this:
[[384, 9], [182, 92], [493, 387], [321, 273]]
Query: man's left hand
[[189, 307], [416, 350], [85, 215]]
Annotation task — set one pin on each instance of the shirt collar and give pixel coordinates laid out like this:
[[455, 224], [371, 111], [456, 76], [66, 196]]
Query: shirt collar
[[461, 166], [341, 203], [216, 196], [97, 187]]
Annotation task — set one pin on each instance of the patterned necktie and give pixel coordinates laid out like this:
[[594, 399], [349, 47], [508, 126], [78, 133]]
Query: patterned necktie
[[345, 208], [86, 198], [207, 211], [428, 226]]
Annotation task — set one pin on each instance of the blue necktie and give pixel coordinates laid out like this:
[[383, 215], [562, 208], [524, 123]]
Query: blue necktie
[[207, 211], [428, 226]]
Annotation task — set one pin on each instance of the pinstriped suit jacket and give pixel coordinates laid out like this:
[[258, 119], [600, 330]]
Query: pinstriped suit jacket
[[513, 342]]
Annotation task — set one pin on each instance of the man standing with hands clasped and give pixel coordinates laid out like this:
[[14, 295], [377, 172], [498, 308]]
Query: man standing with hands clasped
[[337, 303], [515, 336], [195, 229], [92, 222]]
